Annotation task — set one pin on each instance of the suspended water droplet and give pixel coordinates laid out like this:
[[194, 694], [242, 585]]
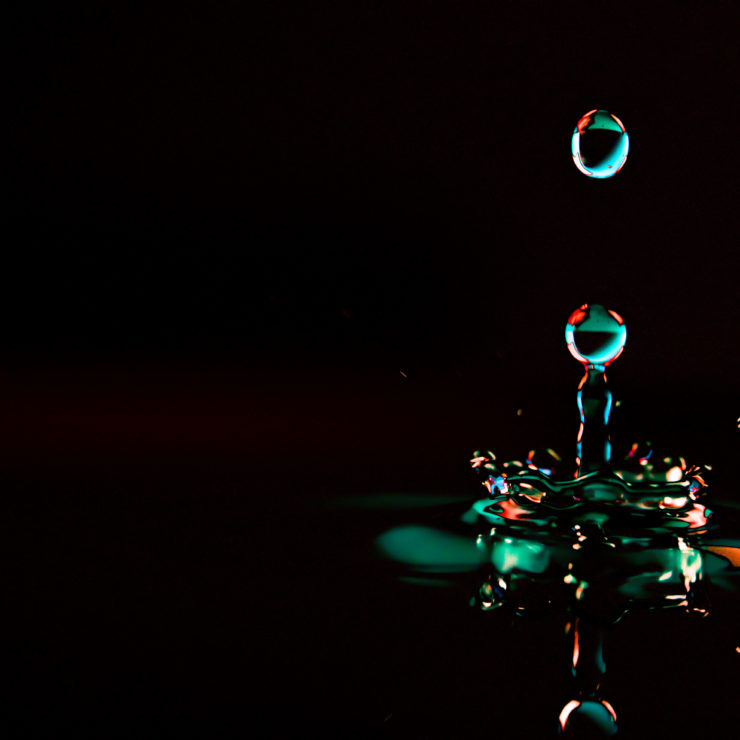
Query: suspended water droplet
[[595, 335], [599, 144]]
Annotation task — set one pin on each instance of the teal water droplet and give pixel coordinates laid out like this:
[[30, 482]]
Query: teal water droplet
[[599, 144], [590, 718], [595, 335]]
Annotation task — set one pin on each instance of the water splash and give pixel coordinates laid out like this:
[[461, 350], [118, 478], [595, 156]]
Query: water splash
[[595, 540], [599, 144]]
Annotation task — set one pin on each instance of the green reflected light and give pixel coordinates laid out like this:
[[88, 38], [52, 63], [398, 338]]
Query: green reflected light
[[430, 549], [512, 554]]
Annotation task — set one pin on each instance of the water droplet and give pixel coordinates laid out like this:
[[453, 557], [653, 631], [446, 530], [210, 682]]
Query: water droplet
[[599, 144], [595, 335], [590, 718]]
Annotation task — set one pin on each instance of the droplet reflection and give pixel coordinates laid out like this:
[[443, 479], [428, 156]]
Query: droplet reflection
[[590, 718]]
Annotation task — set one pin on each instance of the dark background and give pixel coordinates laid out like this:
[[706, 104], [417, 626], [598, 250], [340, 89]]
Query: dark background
[[255, 260]]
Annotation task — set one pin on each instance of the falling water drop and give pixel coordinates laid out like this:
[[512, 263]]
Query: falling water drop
[[599, 144]]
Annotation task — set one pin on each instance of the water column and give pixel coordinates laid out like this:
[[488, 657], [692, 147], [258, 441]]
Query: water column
[[595, 337]]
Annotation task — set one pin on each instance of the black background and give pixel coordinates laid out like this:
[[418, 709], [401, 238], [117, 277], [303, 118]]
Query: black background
[[258, 259]]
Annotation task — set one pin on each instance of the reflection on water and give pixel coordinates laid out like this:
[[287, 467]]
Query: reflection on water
[[593, 545]]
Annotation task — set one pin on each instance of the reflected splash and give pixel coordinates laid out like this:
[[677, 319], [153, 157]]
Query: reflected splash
[[592, 539]]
